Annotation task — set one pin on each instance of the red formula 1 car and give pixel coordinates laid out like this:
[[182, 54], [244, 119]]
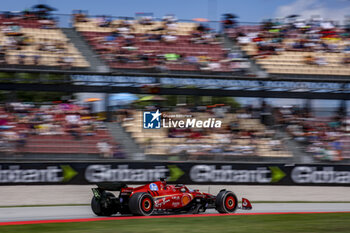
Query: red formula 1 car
[[159, 197]]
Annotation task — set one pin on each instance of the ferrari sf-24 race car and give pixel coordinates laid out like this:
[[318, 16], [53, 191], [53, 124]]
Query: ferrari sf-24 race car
[[162, 198]]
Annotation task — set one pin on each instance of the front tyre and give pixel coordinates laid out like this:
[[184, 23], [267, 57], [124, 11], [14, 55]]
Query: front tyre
[[141, 204], [226, 202]]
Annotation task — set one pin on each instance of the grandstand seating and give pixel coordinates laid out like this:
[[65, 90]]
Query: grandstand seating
[[288, 62], [64, 144], [92, 26], [37, 42], [324, 138], [25, 132], [205, 52], [283, 58], [226, 143]]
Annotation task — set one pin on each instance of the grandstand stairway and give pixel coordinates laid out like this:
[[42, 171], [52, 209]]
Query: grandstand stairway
[[299, 155], [129, 147], [95, 63], [254, 67]]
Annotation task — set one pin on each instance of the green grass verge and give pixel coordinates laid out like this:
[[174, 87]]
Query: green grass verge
[[287, 223]]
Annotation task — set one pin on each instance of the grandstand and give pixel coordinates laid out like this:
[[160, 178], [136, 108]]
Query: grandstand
[[324, 138], [161, 48], [166, 45], [308, 48], [25, 40], [240, 135], [53, 131]]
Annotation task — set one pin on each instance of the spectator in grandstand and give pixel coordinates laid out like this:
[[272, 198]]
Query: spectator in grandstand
[[212, 65], [169, 18], [103, 21], [146, 20], [88, 129], [244, 39], [105, 149], [347, 45], [204, 37], [68, 61], [149, 38], [160, 66], [228, 21], [79, 16], [321, 61], [192, 60], [24, 40], [50, 46], [11, 29], [129, 43], [169, 39], [117, 152], [36, 59], [73, 125], [21, 59], [65, 61], [9, 137], [346, 60], [124, 27], [171, 57], [266, 49], [171, 27], [47, 24], [11, 43], [59, 47], [309, 60], [239, 66]]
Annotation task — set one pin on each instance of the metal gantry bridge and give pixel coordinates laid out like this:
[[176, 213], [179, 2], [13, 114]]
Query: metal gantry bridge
[[198, 84]]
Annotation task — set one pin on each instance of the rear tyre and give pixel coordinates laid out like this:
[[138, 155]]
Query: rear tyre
[[226, 202], [103, 206], [141, 204]]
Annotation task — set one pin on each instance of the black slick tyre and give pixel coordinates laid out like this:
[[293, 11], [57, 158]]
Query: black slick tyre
[[141, 204], [226, 202], [102, 206]]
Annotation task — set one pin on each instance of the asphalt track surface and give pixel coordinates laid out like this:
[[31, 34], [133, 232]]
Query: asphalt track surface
[[13, 214]]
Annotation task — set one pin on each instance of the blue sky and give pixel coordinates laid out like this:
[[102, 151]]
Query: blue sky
[[248, 10]]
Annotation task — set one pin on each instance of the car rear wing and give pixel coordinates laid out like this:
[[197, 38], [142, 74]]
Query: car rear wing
[[111, 186]]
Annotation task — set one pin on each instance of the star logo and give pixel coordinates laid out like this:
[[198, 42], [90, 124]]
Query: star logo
[[155, 115], [151, 120]]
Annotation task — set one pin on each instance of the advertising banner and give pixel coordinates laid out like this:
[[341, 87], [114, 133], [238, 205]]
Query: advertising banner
[[175, 172]]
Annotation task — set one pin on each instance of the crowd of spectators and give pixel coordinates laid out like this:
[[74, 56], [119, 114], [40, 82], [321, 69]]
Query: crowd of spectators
[[295, 34], [162, 45], [21, 121], [243, 133], [14, 38], [325, 138]]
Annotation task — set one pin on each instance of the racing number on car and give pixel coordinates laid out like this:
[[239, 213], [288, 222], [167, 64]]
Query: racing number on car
[[153, 187]]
